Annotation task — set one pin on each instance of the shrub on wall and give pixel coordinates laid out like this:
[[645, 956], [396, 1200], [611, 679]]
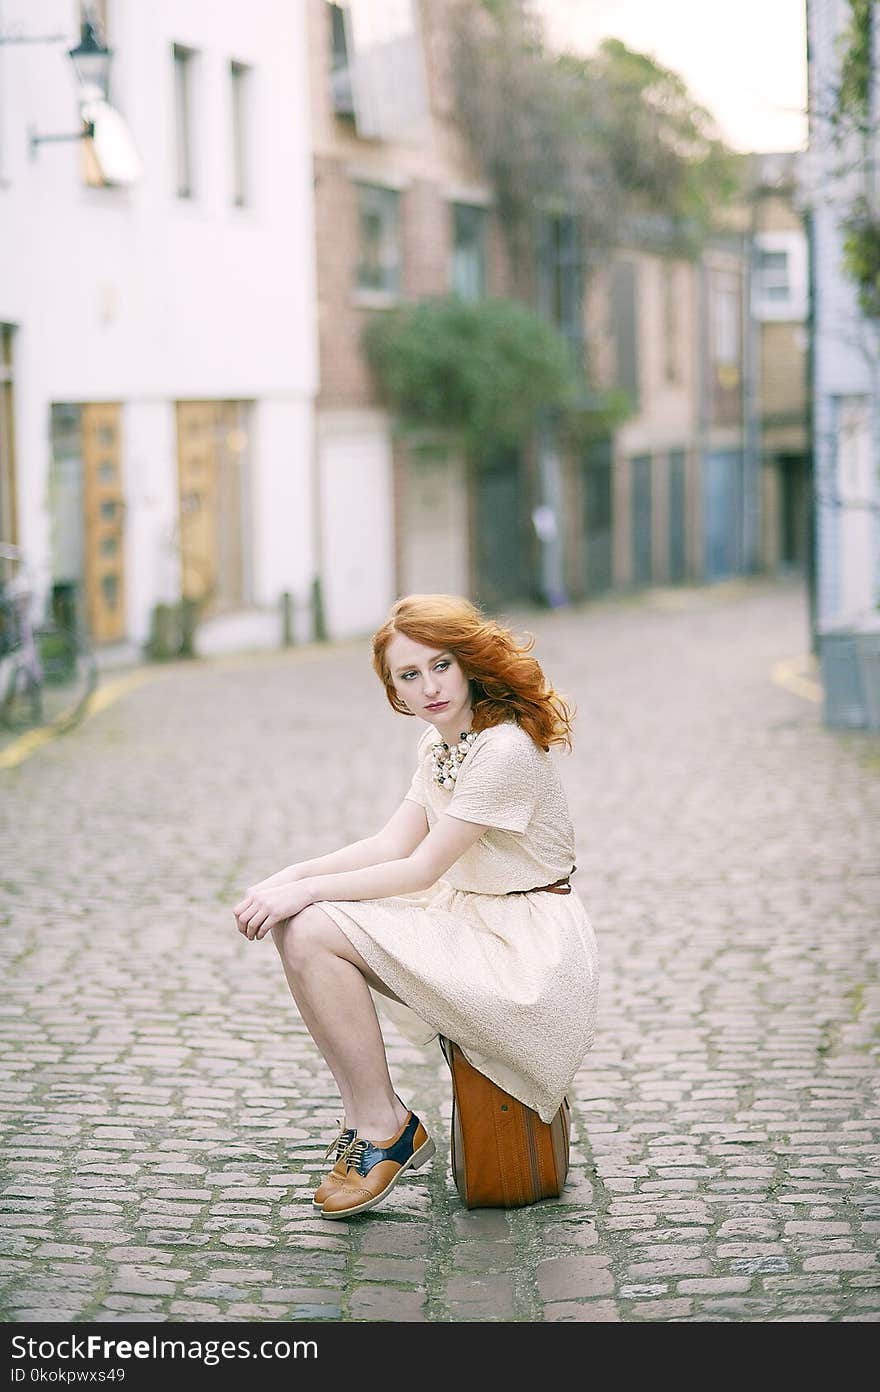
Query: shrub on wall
[[481, 372]]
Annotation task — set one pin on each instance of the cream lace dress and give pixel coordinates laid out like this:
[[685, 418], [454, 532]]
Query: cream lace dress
[[512, 979]]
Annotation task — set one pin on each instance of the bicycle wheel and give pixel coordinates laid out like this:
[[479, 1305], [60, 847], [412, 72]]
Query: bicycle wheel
[[22, 701]]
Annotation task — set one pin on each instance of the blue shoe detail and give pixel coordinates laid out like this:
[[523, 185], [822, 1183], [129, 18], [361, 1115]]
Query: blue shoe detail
[[364, 1155]]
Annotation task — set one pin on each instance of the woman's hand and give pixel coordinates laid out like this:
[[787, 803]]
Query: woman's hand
[[262, 908]]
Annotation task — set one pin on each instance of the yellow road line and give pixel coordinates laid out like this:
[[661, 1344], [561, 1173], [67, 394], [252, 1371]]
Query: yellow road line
[[791, 674], [18, 750], [108, 692]]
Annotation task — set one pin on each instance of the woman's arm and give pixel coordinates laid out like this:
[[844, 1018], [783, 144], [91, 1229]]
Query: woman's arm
[[440, 849], [398, 838], [353, 857], [445, 843]]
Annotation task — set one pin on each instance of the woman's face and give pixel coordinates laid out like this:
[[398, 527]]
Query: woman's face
[[431, 683]]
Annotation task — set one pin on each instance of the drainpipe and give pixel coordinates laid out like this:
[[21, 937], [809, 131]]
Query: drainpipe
[[547, 516], [810, 481], [704, 411], [751, 426], [812, 567]]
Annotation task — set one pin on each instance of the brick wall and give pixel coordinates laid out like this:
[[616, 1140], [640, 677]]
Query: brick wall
[[344, 377], [783, 399], [429, 175]]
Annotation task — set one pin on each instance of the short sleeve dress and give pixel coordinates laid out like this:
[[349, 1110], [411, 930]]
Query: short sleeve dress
[[511, 978]]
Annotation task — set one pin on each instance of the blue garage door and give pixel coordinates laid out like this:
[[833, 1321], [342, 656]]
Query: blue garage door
[[677, 557], [640, 503], [722, 514]]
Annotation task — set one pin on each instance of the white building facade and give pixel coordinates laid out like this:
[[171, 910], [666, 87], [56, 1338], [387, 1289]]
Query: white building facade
[[845, 343], [157, 315]]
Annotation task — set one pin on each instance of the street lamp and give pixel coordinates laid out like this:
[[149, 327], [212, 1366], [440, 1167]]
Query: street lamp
[[91, 61]]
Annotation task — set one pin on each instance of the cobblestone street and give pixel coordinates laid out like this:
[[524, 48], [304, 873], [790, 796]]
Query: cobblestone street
[[165, 1113]]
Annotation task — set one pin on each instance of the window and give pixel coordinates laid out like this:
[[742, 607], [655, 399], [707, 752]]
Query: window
[[379, 263], [468, 277], [377, 69], [780, 276], [340, 71], [184, 59], [66, 496], [772, 273], [560, 291], [240, 83]]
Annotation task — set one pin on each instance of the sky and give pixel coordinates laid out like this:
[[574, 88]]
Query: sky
[[743, 59]]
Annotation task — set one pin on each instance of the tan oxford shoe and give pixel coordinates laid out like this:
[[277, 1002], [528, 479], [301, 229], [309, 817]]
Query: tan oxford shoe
[[373, 1170]]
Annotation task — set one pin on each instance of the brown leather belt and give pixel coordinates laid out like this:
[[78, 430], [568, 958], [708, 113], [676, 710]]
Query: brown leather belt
[[560, 886]]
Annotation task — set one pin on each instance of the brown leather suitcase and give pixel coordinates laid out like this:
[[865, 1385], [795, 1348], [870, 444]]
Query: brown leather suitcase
[[503, 1154]]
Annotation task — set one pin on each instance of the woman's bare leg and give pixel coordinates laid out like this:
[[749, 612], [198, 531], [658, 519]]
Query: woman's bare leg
[[329, 982]]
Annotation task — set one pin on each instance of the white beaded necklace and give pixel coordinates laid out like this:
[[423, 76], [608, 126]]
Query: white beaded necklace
[[446, 761]]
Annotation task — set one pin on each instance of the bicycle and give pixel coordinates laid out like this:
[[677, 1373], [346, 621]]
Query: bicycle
[[48, 669]]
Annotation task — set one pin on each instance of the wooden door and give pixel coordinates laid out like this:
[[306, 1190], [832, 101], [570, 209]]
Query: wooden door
[[104, 521], [197, 477], [212, 453]]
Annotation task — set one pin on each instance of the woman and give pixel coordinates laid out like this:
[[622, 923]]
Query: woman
[[458, 914]]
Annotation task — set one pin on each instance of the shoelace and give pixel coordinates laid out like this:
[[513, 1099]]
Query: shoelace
[[354, 1154], [340, 1144]]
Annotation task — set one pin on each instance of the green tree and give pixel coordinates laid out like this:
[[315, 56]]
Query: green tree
[[853, 128], [477, 372], [605, 137], [853, 97], [861, 256]]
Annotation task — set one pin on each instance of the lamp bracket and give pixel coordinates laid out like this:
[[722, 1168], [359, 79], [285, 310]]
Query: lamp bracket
[[34, 140]]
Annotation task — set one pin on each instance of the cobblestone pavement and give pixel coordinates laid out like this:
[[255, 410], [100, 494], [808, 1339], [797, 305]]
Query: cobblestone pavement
[[164, 1111]]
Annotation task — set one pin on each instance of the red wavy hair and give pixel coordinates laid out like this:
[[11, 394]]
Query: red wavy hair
[[505, 682]]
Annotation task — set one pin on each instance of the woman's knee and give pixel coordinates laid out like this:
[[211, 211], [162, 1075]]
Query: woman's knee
[[300, 938]]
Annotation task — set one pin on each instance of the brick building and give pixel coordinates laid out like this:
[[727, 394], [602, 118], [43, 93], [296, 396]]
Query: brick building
[[779, 310], [672, 494], [665, 496], [400, 214]]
